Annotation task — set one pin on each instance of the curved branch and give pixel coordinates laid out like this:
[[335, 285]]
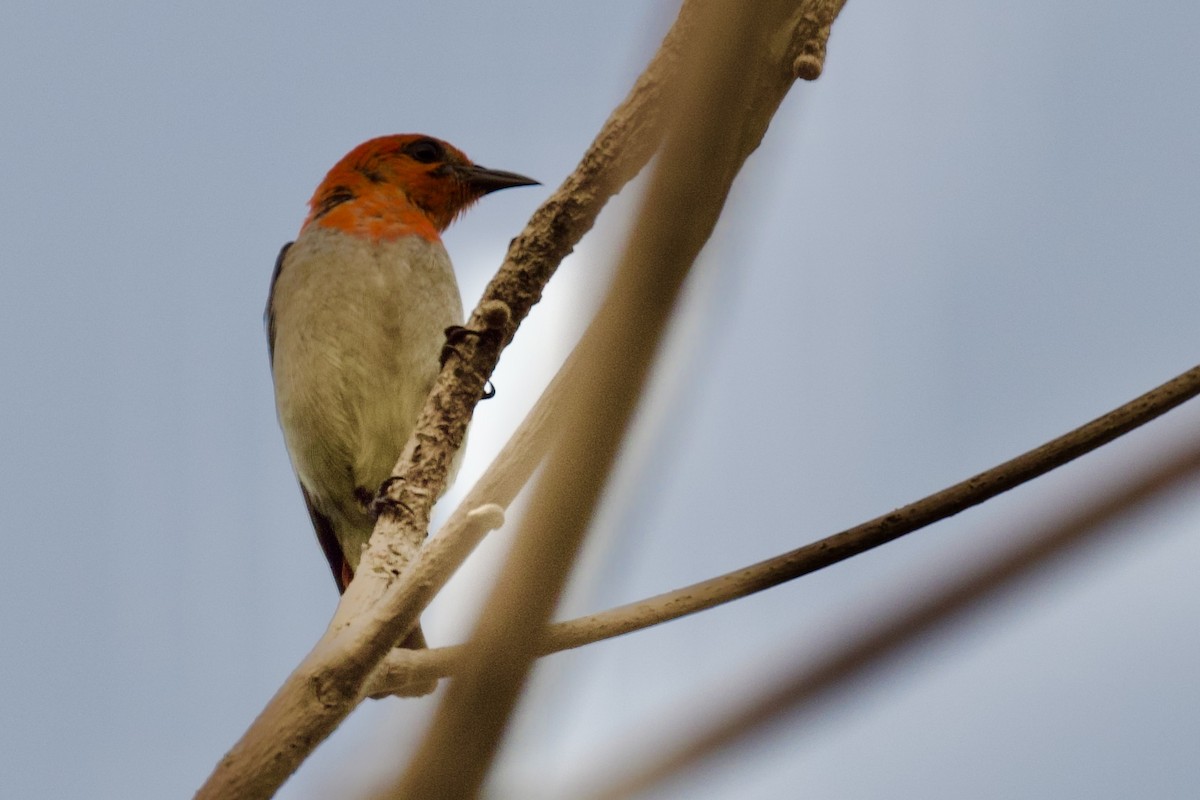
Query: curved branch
[[883, 529], [849, 660], [748, 580]]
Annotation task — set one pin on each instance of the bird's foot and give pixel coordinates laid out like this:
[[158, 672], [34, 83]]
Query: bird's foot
[[455, 335], [382, 500]]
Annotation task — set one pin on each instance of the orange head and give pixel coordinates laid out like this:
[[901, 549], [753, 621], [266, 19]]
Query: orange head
[[401, 185]]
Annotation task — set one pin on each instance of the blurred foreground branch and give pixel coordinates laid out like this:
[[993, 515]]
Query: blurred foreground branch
[[736, 74]]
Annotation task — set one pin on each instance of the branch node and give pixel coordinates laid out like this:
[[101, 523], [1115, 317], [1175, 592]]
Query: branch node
[[495, 314], [400, 667], [488, 516], [809, 40], [807, 66]]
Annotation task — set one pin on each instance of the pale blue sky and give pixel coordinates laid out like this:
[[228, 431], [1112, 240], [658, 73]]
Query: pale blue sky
[[977, 230]]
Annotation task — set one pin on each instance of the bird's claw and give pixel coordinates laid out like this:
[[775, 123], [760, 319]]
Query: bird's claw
[[383, 500], [455, 334]]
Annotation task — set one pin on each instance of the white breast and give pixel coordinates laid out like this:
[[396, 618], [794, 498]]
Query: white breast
[[358, 333]]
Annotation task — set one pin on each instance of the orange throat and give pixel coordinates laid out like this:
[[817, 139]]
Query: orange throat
[[377, 212]]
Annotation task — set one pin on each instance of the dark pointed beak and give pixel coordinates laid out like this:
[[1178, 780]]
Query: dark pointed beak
[[484, 180]]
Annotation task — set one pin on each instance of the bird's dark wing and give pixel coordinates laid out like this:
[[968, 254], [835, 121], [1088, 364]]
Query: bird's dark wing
[[269, 314], [415, 640], [324, 528], [321, 523], [329, 543]]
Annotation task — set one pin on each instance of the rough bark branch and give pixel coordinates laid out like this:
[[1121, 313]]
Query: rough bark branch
[[624, 145]]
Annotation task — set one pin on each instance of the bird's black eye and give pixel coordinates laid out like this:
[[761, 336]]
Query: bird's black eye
[[426, 151]]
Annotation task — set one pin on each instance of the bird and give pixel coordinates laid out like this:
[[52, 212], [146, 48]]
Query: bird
[[357, 316]]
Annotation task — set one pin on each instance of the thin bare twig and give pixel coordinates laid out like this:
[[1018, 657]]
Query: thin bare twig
[[848, 661], [840, 546], [881, 530]]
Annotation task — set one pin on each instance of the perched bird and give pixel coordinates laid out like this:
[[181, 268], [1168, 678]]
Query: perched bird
[[355, 324]]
